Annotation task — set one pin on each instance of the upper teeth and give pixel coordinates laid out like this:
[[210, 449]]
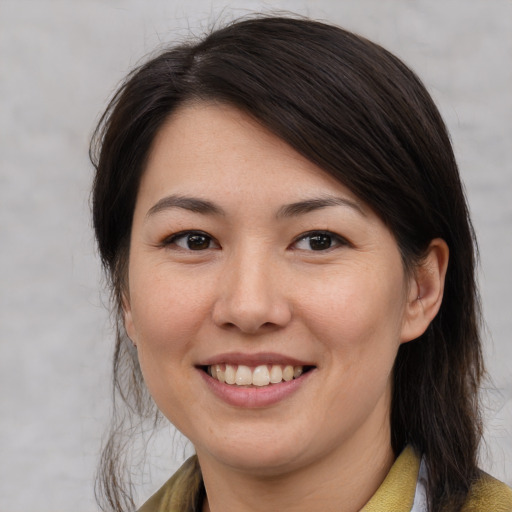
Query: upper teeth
[[262, 375]]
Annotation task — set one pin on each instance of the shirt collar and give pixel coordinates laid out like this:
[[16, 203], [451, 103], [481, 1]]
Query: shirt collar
[[398, 490]]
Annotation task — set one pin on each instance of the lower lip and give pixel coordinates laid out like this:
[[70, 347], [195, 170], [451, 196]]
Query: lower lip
[[254, 397]]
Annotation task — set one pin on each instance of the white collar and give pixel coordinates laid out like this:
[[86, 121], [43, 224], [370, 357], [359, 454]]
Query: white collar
[[420, 495]]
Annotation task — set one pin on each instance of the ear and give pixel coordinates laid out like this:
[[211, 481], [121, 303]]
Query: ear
[[128, 319], [426, 290]]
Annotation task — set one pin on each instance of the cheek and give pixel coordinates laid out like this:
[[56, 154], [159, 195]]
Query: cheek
[[354, 307], [167, 311], [167, 315], [358, 327], [357, 322]]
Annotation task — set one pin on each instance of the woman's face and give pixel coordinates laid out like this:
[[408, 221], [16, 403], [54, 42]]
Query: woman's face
[[245, 260]]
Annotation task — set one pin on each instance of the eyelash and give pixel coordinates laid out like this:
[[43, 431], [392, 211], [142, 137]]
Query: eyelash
[[333, 239], [173, 239]]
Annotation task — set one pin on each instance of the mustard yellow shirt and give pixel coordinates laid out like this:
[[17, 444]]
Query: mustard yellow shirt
[[184, 491]]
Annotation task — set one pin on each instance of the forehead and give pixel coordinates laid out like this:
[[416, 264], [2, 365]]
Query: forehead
[[209, 147]]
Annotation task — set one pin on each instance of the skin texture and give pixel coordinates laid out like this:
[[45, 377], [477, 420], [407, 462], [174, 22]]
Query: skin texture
[[256, 287]]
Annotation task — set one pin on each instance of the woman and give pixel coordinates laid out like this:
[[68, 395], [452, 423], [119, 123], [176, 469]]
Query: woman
[[280, 214]]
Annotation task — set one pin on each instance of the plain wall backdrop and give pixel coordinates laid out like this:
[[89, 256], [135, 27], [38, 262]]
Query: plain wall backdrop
[[59, 63]]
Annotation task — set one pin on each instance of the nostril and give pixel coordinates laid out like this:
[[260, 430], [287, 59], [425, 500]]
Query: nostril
[[248, 328]]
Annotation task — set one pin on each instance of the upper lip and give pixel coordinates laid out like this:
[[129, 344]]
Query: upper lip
[[237, 358]]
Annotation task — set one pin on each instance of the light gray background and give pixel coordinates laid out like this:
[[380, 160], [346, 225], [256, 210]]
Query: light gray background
[[59, 62]]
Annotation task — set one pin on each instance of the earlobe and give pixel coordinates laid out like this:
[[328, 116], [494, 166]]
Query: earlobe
[[128, 319], [426, 290]]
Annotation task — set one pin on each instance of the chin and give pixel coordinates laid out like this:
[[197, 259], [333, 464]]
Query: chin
[[268, 456]]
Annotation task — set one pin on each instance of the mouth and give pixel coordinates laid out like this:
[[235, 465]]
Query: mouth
[[263, 375]]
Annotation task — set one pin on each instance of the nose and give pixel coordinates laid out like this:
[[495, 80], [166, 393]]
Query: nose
[[250, 295]]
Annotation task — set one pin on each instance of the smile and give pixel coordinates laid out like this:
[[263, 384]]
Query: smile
[[255, 380], [260, 376]]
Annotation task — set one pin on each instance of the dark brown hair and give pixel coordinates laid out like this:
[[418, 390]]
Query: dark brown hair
[[359, 113]]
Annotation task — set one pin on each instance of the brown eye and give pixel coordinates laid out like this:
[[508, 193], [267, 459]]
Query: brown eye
[[319, 241], [198, 242], [191, 241]]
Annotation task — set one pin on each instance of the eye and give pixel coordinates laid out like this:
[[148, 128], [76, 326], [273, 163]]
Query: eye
[[318, 241], [192, 241]]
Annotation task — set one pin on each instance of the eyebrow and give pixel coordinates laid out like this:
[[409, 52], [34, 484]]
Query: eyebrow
[[309, 205], [205, 207], [192, 204]]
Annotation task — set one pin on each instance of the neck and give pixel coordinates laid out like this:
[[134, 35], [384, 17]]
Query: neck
[[343, 481]]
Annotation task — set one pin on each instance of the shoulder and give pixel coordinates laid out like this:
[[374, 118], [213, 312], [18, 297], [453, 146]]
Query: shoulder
[[488, 494], [180, 493]]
